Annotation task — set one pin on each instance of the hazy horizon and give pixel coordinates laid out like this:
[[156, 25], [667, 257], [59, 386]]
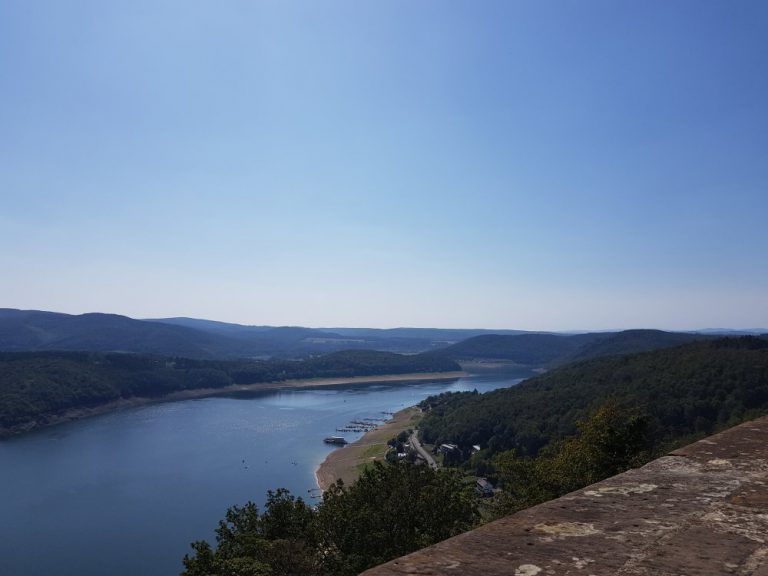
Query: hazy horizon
[[535, 166], [754, 329]]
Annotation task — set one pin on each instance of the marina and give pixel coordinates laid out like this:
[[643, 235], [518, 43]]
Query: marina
[[363, 425]]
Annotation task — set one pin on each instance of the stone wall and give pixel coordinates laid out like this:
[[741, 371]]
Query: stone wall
[[700, 510]]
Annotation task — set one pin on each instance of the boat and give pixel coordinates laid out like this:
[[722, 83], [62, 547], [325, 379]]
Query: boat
[[335, 440]]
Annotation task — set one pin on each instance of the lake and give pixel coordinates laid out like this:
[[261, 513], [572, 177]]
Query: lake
[[125, 493]]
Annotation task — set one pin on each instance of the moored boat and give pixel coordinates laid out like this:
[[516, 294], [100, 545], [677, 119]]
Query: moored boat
[[335, 440]]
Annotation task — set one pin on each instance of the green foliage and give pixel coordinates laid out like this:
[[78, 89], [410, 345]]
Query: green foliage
[[37, 385], [279, 542], [685, 391], [611, 440], [391, 510], [586, 421], [524, 349], [556, 349], [632, 342]]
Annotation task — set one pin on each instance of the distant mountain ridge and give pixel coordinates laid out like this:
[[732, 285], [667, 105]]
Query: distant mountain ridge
[[732, 331], [435, 334], [209, 325], [31, 330], [547, 350], [36, 330], [633, 342]]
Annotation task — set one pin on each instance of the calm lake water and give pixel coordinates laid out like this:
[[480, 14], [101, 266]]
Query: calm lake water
[[125, 493]]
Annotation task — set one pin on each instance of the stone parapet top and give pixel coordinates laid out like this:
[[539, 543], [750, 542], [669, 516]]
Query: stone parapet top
[[701, 510]]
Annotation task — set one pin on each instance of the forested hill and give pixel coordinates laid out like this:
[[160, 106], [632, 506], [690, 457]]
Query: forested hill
[[31, 330], [690, 389], [545, 350], [36, 386], [35, 330], [631, 342]]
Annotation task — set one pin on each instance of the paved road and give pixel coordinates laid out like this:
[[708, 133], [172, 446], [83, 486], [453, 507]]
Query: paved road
[[420, 449]]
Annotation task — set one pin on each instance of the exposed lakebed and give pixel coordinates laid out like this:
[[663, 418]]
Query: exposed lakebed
[[125, 493]]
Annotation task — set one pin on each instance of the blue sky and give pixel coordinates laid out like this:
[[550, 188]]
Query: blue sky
[[536, 165]]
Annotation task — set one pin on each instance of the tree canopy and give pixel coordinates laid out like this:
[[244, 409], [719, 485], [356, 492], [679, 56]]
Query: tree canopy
[[393, 509], [684, 391], [37, 385]]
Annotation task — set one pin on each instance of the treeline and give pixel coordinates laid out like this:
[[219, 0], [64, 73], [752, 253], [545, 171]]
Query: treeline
[[683, 392], [544, 438], [37, 385], [397, 507], [548, 350], [611, 440], [391, 510]]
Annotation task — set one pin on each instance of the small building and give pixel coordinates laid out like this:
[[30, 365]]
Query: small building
[[475, 448], [446, 448], [483, 488]]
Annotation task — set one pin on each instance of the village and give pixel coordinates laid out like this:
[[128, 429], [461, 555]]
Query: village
[[392, 437]]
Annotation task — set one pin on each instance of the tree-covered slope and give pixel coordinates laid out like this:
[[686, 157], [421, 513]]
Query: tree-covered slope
[[31, 330], [524, 349], [37, 385], [632, 342], [545, 350], [34, 330], [694, 388]]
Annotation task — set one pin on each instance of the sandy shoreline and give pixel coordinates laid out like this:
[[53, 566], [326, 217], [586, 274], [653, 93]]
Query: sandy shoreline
[[346, 462], [85, 412]]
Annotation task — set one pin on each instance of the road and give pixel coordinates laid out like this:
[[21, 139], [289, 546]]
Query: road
[[420, 449]]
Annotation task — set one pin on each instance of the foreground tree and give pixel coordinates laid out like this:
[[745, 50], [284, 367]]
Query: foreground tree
[[278, 542], [611, 440], [391, 510]]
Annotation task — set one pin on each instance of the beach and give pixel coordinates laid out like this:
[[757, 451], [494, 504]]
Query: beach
[[347, 462]]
